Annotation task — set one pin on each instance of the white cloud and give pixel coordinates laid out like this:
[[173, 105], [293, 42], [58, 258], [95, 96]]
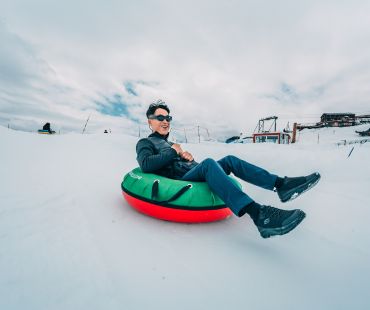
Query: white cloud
[[218, 64]]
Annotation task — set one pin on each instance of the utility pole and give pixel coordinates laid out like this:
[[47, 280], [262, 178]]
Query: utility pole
[[86, 124], [207, 133], [294, 132]]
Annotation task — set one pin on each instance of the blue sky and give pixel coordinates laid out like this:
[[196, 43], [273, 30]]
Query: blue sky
[[222, 66], [116, 106]]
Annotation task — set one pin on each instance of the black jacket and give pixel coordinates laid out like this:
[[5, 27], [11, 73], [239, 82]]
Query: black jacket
[[155, 155], [46, 127]]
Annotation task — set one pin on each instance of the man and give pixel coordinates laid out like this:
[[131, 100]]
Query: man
[[156, 154], [47, 127]]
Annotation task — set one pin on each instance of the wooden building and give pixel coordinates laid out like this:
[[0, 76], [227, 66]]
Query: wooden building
[[338, 119], [272, 137]]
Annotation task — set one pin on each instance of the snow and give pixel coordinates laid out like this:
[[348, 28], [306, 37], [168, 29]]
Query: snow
[[68, 240]]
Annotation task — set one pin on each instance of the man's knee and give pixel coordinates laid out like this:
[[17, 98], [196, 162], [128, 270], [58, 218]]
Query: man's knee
[[229, 159], [208, 165], [228, 163], [209, 162]]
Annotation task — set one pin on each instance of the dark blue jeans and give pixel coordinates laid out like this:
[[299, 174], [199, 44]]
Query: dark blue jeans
[[215, 173]]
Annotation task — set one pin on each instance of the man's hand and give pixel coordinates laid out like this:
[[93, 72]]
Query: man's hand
[[177, 148], [183, 154], [186, 155]]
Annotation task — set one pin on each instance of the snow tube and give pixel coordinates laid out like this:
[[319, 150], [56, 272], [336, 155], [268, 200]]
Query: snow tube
[[45, 132], [173, 200]]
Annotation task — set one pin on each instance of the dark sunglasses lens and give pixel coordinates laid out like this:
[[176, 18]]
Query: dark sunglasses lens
[[161, 118]]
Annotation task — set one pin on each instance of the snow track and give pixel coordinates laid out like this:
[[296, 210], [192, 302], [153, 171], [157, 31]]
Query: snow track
[[69, 241]]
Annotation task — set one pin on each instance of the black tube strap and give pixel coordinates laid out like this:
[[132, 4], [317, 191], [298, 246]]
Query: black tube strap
[[155, 189]]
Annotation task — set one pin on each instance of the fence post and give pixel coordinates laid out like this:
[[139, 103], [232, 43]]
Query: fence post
[[294, 132], [186, 138]]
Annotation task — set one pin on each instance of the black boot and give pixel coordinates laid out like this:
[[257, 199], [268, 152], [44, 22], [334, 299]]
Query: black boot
[[272, 221], [291, 188]]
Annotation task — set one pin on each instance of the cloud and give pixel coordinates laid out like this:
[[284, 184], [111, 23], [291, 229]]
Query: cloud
[[130, 88], [222, 65], [32, 92]]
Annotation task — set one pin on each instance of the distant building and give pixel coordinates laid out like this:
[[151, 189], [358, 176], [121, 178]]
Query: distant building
[[272, 137], [338, 119], [363, 119]]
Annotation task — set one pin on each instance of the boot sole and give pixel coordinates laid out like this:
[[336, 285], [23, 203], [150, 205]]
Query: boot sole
[[270, 232], [294, 193]]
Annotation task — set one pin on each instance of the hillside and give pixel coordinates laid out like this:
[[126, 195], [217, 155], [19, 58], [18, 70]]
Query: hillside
[[68, 240]]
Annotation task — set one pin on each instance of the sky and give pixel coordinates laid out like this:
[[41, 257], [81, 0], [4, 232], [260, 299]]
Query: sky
[[220, 65]]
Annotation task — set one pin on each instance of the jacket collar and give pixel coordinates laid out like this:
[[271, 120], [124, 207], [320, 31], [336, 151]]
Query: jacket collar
[[156, 134]]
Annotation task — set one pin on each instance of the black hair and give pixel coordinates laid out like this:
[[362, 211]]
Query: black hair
[[159, 104]]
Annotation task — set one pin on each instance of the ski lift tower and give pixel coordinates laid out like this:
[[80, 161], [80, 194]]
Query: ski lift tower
[[261, 124], [269, 135]]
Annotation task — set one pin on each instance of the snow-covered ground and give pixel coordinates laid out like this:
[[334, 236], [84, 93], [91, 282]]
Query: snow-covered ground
[[68, 240]]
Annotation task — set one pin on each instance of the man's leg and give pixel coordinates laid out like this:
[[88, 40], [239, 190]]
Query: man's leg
[[270, 221], [248, 172], [287, 188], [211, 172]]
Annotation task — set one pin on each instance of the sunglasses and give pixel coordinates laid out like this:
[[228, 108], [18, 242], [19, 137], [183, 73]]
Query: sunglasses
[[161, 118]]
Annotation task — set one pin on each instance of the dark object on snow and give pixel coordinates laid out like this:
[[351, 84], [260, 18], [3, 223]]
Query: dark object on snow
[[46, 130], [105, 131], [272, 221], [232, 139], [351, 152], [47, 127], [291, 188], [364, 133]]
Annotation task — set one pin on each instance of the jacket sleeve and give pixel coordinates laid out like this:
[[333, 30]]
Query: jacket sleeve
[[148, 160]]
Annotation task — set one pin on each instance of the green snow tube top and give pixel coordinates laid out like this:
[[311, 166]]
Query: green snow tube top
[[173, 200]]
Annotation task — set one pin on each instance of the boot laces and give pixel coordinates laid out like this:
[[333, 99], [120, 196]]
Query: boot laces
[[273, 215], [276, 213]]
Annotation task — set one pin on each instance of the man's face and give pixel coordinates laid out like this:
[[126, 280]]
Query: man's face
[[162, 127]]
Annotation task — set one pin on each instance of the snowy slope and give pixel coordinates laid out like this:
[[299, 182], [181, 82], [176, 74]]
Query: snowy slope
[[68, 240]]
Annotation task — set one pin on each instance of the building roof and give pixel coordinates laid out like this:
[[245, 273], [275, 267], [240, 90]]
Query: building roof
[[325, 114]]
